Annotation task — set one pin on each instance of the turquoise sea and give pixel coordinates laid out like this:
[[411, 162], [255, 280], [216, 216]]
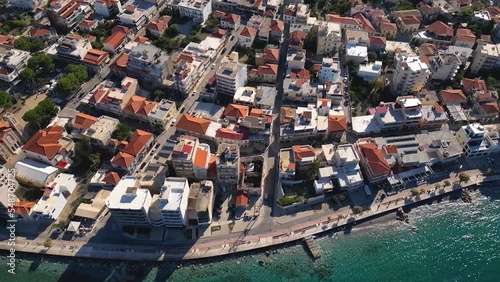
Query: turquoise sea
[[454, 242]]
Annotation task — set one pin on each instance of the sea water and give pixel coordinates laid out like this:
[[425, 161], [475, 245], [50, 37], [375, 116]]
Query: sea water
[[454, 241]]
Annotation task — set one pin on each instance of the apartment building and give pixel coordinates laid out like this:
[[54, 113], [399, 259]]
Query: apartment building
[[228, 163], [95, 60], [115, 42], [12, 62], [67, 14], [71, 49], [444, 66], [372, 160], [136, 13], [101, 130], [149, 64], [296, 13], [10, 141], [231, 75], [183, 156], [464, 38], [197, 10], [28, 5], [54, 197], [168, 209], [407, 24], [357, 46], [113, 98], [371, 71], [35, 173], [329, 38], [476, 140], [296, 60], [269, 56], [329, 71], [108, 8], [51, 146], [134, 152], [247, 37], [486, 56], [158, 27], [343, 167], [410, 74], [128, 204], [230, 21], [304, 156], [266, 73]]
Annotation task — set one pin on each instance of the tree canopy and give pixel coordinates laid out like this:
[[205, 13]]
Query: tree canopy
[[27, 76], [5, 100], [122, 132], [74, 76], [42, 113], [28, 44], [41, 64]]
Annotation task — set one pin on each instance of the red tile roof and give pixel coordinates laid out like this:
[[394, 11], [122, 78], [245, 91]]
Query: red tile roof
[[248, 32], [303, 151], [39, 31], [474, 84], [374, 158], [391, 149], [123, 160], [440, 29], [466, 35], [337, 123], [87, 24], [271, 69], [453, 96], [231, 18], [378, 40], [490, 108], [120, 28], [409, 20], [387, 26], [300, 74], [137, 142], [236, 111], [271, 54], [277, 26], [111, 177], [115, 39], [83, 121], [343, 20], [366, 25], [95, 57], [225, 133], [45, 142], [201, 157], [242, 200], [23, 207], [140, 105], [193, 124]]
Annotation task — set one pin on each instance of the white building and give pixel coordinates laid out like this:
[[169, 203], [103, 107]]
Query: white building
[[463, 53], [296, 59], [147, 63], [329, 38], [197, 10], [137, 13], [100, 132], [444, 66], [370, 71], [245, 96], [25, 4], [330, 71], [128, 204], [357, 46], [344, 167], [230, 76], [71, 49], [12, 63], [54, 197], [485, 57], [478, 141], [107, 8], [35, 173], [410, 74], [171, 203]]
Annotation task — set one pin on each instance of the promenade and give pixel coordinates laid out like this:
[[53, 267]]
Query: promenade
[[287, 229]]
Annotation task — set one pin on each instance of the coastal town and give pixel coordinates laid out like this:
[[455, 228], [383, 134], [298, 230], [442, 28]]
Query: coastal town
[[185, 129]]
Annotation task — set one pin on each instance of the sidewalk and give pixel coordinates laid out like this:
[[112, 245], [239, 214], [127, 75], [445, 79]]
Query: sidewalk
[[282, 233]]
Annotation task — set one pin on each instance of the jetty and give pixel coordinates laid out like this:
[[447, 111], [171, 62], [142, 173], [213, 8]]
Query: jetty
[[313, 247]]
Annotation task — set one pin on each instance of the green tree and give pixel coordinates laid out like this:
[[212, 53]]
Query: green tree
[[465, 15], [42, 113], [311, 43], [447, 183], [172, 31], [414, 192], [28, 44], [122, 132], [27, 76], [47, 243], [97, 44], [372, 56], [95, 161], [357, 210], [78, 70], [463, 177], [68, 84], [314, 169], [41, 64], [83, 147], [5, 100], [341, 197]]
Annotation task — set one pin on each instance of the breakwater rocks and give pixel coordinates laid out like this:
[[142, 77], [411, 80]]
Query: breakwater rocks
[[401, 215], [465, 196]]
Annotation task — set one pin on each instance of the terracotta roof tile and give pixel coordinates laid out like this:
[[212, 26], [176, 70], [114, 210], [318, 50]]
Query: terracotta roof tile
[[453, 96], [225, 133], [193, 124], [83, 121], [490, 108], [23, 207], [45, 142], [409, 20], [474, 84], [378, 40], [236, 111], [440, 29], [231, 18], [111, 177], [115, 39], [303, 151], [248, 32], [337, 123], [123, 160], [201, 158], [95, 57], [137, 142], [366, 25], [140, 105], [374, 158]]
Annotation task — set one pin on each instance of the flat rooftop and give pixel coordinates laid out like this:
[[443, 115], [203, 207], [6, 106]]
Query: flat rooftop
[[127, 195], [173, 191]]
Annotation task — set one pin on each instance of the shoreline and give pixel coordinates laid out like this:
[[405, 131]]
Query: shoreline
[[359, 224]]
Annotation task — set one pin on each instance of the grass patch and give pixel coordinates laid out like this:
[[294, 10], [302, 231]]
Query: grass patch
[[304, 189], [289, 200]]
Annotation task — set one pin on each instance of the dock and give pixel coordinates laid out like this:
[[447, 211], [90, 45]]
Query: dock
[[313, 247]]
